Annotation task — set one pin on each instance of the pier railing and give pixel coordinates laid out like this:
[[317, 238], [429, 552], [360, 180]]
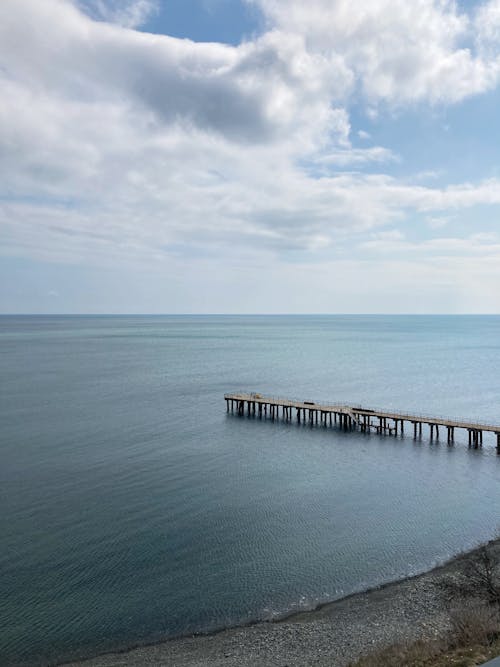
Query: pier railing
[[355, 407], [354, 416]]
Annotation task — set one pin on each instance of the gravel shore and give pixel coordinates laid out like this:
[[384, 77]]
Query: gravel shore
[[333, 635]]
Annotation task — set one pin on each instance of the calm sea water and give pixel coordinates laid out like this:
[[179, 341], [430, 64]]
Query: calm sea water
[[133, 508]]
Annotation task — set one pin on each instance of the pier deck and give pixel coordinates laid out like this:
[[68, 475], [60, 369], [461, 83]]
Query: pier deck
[[356, 416]]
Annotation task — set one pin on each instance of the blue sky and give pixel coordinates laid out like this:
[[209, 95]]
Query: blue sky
[[250, 156], [227, 21]]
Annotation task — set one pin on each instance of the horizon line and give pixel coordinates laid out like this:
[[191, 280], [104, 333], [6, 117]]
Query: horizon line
[[256, 314]]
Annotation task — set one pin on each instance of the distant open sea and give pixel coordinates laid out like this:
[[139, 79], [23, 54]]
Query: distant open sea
[[134, 509]]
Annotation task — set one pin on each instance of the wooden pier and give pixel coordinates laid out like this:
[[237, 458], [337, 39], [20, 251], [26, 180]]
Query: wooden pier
[[356, 417]]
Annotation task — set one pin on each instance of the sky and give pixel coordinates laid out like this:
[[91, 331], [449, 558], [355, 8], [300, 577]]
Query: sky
[[249, 156]]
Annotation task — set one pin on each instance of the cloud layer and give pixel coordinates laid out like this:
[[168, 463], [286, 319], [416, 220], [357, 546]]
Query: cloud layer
[[397, 51], [115, 143]]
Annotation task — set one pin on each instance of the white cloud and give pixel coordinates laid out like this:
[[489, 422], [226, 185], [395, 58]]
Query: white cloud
[[482, 245], [261, 91], [342, 157], [117, 145], [127, 13], [398, 51], [487, 29]]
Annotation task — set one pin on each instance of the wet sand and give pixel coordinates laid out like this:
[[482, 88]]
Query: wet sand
[[332, 635]]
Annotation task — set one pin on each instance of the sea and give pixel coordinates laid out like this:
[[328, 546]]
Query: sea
[[135, 509]]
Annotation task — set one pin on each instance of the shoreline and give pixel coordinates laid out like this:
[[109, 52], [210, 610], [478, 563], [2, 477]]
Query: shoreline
[[334, 633]]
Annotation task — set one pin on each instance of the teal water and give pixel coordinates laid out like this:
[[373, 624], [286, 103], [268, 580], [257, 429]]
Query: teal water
[[134, 509]]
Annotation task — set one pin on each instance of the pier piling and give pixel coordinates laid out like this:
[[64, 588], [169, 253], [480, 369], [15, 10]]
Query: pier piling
[[348, 418]]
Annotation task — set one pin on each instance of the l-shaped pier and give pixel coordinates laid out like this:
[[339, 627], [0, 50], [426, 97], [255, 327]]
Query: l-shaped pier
[[352, 417]]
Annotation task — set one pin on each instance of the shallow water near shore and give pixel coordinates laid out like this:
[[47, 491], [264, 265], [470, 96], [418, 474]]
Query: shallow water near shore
[[135, 509]]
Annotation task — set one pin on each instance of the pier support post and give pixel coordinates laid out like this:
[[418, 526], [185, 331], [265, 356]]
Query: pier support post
[[355, 418]]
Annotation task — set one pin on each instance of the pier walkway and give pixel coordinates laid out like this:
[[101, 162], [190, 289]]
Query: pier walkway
[[356, 417]]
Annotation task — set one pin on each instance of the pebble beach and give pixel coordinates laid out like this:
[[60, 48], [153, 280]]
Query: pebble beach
[[334, 634]]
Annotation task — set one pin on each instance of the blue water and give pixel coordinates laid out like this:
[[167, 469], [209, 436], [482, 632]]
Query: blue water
[[133, 508]]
